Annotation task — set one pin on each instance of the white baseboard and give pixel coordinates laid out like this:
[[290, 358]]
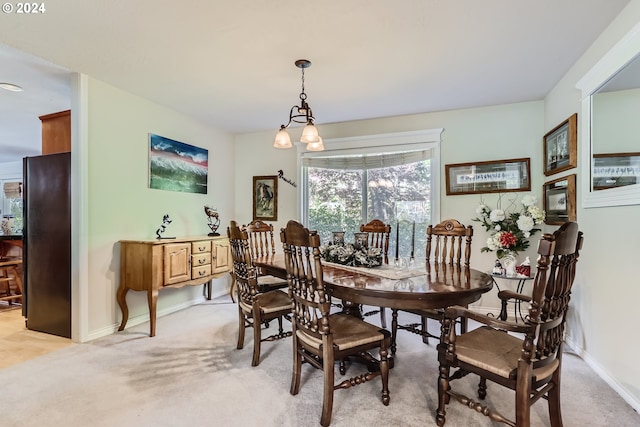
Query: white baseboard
[[602, 373], [137, 320]]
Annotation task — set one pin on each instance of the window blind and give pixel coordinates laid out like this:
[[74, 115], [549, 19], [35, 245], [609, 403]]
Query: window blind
[[12, 190], [366, 161]]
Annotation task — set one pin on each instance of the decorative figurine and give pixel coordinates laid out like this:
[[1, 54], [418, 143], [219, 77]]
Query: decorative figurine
[[165, 221], [497, 269], [281, 176], [213, 220], [524, 269]]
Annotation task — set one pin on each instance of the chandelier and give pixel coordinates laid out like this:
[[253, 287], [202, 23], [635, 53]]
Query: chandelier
[[300, 114]]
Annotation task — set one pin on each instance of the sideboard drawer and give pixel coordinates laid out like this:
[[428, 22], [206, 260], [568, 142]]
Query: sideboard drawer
[[201, 271], [201, 247], [199, 260]]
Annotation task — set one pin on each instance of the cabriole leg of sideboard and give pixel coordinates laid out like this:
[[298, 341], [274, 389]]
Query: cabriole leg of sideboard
[[152, 299], [121, 297]]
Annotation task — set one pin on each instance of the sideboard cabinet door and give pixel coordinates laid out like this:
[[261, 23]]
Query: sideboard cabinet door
[[177, 263], [221, 256]]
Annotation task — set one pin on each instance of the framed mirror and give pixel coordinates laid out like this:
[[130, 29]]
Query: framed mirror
[[610, 129]]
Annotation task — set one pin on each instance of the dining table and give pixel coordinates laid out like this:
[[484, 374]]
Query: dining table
[[427, 286]]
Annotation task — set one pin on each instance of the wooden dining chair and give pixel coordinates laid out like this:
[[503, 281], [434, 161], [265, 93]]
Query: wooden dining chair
[[378, 237], [262, 243], [530, 363], [449, 243], [321, 338], [254, 308]]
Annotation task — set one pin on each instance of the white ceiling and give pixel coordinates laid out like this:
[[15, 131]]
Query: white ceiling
[[230, 62]]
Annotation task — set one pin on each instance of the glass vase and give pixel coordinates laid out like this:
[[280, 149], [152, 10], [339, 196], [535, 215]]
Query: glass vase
[[509, 263]]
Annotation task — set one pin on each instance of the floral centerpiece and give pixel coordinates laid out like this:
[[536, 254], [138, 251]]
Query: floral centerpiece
[[511, 227], [352, 255]]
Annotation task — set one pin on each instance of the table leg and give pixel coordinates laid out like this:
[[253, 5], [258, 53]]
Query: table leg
[[352, 309], [518, 304]]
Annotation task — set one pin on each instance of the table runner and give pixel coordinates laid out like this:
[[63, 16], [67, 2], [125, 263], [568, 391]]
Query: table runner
[[385, 270]]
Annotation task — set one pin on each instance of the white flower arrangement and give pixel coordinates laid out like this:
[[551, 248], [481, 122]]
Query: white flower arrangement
[[511, 230]]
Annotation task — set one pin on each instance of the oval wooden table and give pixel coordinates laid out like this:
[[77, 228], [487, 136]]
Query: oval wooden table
[[432, 286]]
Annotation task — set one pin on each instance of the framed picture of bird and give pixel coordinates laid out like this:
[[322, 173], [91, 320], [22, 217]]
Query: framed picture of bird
[[265, 198]]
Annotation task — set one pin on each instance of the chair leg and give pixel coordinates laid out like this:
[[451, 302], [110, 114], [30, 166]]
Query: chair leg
[[443, 397], [327, 400], [297, 367], [257, 337], [384, 375], [394, 329], [241, 328], [482, 388], [383, 317], [555, 414], [424, 330], [523, 401]]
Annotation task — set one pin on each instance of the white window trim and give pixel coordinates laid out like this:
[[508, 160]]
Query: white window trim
[[428, 139]]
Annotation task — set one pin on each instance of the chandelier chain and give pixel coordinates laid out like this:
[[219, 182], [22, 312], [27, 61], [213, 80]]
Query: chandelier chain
[[303, 96]]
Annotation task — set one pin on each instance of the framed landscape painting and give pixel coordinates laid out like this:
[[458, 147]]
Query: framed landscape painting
[[176, 166], [495, 176]]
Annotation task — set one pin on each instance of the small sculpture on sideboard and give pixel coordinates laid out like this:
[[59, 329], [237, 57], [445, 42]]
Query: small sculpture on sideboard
[[213, 220], [163, 227]]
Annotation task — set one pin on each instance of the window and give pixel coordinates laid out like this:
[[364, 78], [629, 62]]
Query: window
[[11, 206], [376, 177]]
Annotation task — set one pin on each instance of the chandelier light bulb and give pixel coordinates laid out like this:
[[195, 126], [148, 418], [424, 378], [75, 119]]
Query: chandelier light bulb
[[283, 140], [309, 134], [316, 146]]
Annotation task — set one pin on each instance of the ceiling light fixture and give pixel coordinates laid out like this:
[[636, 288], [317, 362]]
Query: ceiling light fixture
[[300, 114], [11, 87]]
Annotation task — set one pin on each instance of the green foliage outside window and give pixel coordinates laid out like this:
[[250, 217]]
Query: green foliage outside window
[[393, 194]]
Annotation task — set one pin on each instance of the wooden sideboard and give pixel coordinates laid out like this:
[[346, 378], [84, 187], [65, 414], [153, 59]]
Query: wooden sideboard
[[152, 265]]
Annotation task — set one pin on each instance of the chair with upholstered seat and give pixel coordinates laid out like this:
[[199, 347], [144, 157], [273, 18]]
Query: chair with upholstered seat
[[530, 362], [254, 308], [321, 338], [378, 237], [448, 242], [261, 244]]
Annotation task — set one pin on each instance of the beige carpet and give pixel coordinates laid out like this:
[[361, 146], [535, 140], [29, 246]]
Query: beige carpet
[[190, 374]]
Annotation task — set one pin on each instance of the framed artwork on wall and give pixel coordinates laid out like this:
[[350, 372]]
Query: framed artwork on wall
[[265, 198], [176, 166], [496, 176], [560, 146], [615, 170], [560, 200]]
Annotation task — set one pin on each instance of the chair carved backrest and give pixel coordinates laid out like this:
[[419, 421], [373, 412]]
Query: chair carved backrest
[[245, 273], [558, 255], [449, 243], [378, 236], [304, 273], [261, 241]]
